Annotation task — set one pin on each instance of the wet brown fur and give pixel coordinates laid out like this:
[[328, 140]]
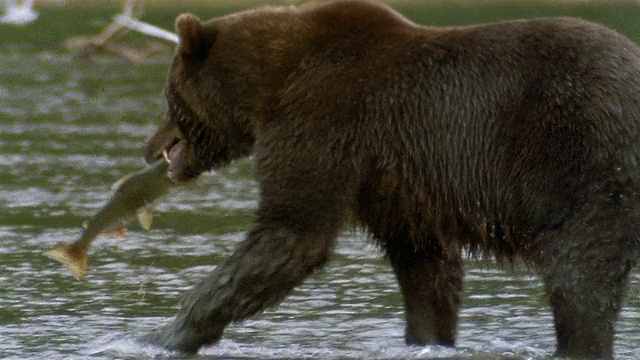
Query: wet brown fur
[[518, 139]]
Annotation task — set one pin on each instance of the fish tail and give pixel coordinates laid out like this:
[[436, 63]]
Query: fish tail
[[76, 260]]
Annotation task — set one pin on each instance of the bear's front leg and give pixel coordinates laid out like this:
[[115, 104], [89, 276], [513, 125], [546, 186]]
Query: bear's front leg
[[294, 235], [431, 283], [262, 271]]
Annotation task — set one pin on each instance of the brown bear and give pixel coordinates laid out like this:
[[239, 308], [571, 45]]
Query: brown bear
[[518, 140]]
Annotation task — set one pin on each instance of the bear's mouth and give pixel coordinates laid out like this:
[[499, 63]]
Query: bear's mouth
[[178, 155], [173, 151]]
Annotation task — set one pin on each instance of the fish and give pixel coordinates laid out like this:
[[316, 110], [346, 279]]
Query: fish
[[132, 196]]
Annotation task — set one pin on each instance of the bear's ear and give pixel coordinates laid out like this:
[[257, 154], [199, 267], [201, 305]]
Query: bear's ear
[[191, 39]]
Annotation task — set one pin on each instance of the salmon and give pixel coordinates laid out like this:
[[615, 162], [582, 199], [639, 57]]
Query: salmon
[[132, 196]]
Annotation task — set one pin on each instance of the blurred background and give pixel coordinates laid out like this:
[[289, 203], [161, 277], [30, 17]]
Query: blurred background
[[81, 86]]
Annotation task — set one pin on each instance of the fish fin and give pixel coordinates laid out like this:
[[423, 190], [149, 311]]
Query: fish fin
[[145, 217], [119, 232], [76, 260]]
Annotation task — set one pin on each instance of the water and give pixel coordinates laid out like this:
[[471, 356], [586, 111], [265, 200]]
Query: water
[[70, 128]]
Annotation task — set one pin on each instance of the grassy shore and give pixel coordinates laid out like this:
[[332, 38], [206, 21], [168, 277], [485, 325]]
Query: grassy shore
[[57, 23]]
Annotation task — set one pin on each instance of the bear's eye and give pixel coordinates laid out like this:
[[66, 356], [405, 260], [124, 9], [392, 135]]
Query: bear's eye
[[177, 108], [193, 129], [179, 117]]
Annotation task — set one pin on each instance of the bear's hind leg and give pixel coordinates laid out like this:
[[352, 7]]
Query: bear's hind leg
[[431, 284], [585, 267]]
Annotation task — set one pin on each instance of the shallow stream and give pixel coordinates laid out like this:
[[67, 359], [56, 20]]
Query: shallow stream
[[70, 128]]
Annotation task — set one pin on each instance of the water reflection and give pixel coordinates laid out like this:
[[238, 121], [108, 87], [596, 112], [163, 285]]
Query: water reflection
[[352, 309]]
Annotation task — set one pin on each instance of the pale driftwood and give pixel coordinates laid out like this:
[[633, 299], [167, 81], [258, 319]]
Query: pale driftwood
[[107, 40]]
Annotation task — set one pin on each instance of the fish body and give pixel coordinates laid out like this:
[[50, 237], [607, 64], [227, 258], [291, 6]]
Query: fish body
[[132, 196]]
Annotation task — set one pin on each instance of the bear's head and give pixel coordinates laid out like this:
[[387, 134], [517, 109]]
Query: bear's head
[[235, 78], [217, 85]]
